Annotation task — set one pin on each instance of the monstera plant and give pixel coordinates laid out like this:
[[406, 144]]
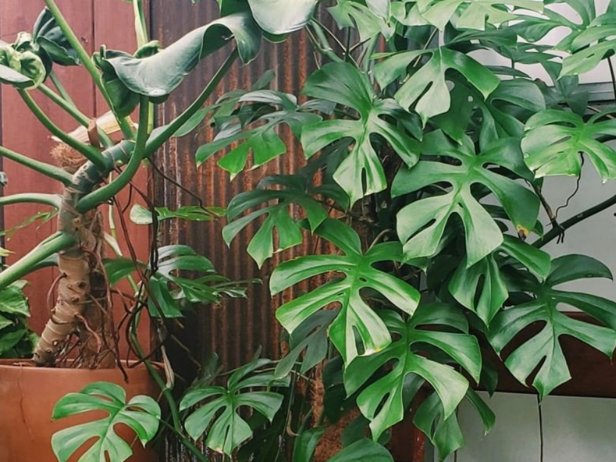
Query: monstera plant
[[426, 158], [93, 164], [427, 146]]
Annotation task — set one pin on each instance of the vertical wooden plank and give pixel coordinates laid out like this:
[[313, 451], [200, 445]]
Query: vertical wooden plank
[[23, 133], [95, 22]]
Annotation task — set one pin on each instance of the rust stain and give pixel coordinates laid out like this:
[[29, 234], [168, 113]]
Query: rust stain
[[238, 328]]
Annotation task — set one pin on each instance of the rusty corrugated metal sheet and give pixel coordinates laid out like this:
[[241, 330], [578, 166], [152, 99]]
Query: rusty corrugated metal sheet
[[238, 328]]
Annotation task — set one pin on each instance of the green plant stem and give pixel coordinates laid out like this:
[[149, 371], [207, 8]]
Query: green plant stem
[[164, 133], [52, 200], [141, 29], [44, 250], [89, 152], [106, 192], [48, 170], [64, 104], [321, 43], [574, 220], [88, 63], [74, 112], [58, 84]]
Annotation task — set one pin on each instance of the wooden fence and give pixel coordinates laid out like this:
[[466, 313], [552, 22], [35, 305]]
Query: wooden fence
[[95, 22]]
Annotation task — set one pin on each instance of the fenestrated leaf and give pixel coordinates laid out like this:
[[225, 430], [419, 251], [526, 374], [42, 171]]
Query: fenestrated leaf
[[589, 45], [158, 75], [370, 19], [119, 268], [498, 118], [421, 224], [360, 173], [289, 17], [293, 190], [427, 88], [141, 414], [356, 321], [383, 401], [543, 350], [473, 14], [446, 434], [184, 277], [309, 339], [217, 410], [482, 287], [142, 216], [258, 137], [364, 449], [555, 139]]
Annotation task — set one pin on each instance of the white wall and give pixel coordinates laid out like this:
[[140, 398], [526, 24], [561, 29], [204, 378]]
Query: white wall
[[575, 430]]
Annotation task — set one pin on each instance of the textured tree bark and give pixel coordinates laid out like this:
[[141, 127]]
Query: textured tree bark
[[81, 306]]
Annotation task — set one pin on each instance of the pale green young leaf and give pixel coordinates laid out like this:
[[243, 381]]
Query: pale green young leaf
[[141, 414], [555, 140], [426, 91]]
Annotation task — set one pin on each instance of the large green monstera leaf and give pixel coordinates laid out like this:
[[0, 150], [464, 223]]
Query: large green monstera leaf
[[472, 14], [406, 366], [356, 321], [427, 88], [421, 224], [590, 45], [258, 136], [370, 19], [543, 350], [141, 414], [482, 288], [555, 140], [293, 190], [218, 408], [157, 75], [360, 173]]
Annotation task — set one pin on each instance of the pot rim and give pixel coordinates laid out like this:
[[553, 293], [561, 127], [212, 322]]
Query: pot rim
[[131, 367]]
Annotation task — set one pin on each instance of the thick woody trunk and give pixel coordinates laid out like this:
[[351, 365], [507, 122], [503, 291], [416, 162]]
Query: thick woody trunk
[[81, 307]]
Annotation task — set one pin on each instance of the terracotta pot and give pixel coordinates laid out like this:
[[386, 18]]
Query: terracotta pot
[[28, 395]]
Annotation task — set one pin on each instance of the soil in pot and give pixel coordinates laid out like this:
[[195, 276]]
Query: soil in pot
[[28, 395]]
